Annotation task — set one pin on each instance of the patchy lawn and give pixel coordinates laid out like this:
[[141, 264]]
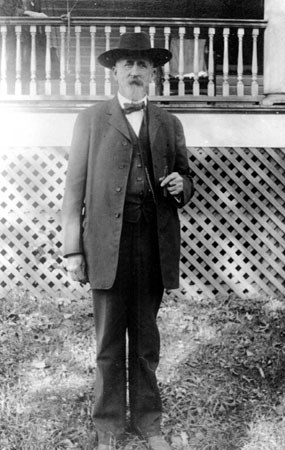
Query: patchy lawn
[[222, 374]]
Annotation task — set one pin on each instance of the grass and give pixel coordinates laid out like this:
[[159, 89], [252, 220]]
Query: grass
[[221, 374]]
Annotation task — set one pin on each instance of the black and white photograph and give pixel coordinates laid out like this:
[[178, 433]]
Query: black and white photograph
[[142, 225]]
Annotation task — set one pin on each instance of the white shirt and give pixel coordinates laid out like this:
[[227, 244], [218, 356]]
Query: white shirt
[[135, 118]]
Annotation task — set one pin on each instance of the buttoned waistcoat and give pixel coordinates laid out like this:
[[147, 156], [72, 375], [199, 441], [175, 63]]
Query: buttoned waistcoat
[[97, 175]]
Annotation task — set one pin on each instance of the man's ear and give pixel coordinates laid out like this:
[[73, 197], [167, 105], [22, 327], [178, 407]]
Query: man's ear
[[114, 71], [154, 74]]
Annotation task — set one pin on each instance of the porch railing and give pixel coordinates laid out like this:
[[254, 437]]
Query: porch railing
[[57, 57]]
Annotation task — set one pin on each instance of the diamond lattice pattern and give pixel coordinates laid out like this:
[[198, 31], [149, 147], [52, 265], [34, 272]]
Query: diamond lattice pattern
[[232, 232]]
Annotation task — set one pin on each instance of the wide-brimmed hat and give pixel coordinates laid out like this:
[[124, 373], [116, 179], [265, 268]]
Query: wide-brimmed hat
[[133, 45]]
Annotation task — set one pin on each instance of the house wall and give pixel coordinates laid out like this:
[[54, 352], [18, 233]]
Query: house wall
[[243, 129]]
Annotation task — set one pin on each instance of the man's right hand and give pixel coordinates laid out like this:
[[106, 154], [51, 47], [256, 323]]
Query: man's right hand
[[76, 268]]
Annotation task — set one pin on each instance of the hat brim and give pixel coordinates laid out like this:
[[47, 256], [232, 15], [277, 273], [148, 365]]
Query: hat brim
[[158, 56]]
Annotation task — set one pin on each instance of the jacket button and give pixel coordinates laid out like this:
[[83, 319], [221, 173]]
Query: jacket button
[[124, 143], [117, 215], [118, 189]]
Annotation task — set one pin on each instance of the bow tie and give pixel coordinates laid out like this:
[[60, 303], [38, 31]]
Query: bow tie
[[132, 107]]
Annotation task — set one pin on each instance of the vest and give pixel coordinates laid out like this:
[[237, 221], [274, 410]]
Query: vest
[[139, 201]]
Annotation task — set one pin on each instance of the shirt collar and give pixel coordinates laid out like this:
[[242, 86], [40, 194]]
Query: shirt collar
[[123, 100]]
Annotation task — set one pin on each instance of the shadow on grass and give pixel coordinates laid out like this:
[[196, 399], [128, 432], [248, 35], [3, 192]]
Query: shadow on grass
[[230, 377], [221, 373]]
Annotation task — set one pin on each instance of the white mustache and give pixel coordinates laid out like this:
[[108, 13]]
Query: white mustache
[[135, 80]]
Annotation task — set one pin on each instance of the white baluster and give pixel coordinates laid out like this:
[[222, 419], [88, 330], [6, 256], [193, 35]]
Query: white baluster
[[123, 29], [93, 62], [151, 36], [152, 83], [181, 84], [138, 29], [166, 84], [3, 85], [240, 84], [254, 69], [33, 81], [211, 85], [77, 61], [107, 88], [226, 87], [62, 86], [196, 84], [48, 60], [18, 83]]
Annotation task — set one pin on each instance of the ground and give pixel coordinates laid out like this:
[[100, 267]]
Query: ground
[[221, 373]]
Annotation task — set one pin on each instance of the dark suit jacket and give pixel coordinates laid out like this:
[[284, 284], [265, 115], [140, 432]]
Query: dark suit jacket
[[99, 164]]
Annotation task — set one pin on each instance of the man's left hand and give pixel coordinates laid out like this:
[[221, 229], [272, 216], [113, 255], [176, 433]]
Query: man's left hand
[[173, 183]]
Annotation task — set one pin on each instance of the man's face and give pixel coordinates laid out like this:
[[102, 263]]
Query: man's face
[[133, 77]]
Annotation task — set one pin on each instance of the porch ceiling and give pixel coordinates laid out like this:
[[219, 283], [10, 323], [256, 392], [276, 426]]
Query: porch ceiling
[[226, 9]]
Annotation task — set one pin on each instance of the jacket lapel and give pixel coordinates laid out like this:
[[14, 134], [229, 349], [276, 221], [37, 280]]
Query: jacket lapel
[[154, 123], [117, 118], [158, 149]]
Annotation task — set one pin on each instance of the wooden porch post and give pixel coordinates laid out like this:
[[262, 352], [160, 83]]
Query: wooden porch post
[[274, 55]]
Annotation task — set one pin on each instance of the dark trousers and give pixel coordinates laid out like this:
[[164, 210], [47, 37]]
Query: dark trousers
[[125, 316]]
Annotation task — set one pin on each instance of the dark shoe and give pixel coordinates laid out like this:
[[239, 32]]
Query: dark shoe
[[157, 443]]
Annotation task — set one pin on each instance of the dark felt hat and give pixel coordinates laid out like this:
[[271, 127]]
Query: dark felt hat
[[133, 45]]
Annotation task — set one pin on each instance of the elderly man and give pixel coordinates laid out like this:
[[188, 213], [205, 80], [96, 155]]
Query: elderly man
[[127, 175]]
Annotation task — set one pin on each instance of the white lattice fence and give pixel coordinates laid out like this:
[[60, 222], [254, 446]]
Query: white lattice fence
[[32, 183], [232, 232]]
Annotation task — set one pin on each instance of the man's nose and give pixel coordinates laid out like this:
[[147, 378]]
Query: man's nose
[[135, 69]]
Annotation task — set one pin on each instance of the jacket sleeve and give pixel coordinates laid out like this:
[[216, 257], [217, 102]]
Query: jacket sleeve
[[182, 164], [74, 195]]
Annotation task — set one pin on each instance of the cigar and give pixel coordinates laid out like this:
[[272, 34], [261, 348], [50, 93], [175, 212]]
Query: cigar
[[165, 173]]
